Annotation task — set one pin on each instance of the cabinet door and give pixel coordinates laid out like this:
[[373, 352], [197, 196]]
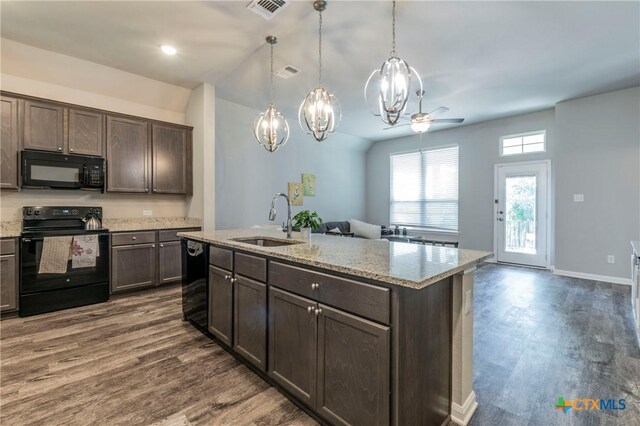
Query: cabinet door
[[353, 369], [85, 132], [293, 334], [250, 320], [43, 126], [169, 262], [220, 304], [8, 283], [127, 155], [169, 160], [9, 143], [133, 267]]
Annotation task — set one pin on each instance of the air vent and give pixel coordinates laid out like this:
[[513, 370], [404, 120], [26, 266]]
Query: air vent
[[287, 72], [267, 8]]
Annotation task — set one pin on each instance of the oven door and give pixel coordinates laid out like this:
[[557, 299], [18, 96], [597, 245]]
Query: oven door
[[41, 169], [34, 282]]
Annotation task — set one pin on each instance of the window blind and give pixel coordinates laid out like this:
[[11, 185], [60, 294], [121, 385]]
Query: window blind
[[424, 189]]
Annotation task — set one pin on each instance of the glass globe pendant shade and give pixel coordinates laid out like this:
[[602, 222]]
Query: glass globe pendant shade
[[271, 129], [420, 127], [319, 114], [395, 85]]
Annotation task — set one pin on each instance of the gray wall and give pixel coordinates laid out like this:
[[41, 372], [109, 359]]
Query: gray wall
[[599, 156], [478, 154], [247, 176]]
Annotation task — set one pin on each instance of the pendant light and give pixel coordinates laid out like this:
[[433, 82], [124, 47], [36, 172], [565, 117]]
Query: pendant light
[[319, 113], [393, 82], [271, 129]]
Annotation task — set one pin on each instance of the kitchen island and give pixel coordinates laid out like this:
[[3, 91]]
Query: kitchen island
[[354, 331]]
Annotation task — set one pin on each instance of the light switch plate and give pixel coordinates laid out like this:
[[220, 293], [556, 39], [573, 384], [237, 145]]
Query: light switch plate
[[578, 198], [147, 213], [611, 259]]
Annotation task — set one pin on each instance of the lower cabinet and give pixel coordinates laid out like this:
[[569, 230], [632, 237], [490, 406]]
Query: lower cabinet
[[169, 262], [250, 320], [335, 362], [220, 304], [8, 275], [133, 266]]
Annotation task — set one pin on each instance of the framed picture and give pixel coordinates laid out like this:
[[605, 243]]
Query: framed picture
[[296, 193], [309, 184]]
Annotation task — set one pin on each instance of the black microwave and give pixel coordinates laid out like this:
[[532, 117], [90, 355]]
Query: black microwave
[[61, 171]]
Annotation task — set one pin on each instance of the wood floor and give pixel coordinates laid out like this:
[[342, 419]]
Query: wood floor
[[133, 361]]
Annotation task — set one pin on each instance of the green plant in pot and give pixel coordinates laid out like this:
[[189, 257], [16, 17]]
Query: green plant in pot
[[306, 221]]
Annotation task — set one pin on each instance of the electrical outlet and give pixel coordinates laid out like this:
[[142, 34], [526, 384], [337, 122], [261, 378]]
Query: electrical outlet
[[578, 198], [147, 213], [467, 302], [611, 259]]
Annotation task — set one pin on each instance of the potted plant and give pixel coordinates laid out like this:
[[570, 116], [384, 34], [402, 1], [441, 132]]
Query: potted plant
[[306, 221]]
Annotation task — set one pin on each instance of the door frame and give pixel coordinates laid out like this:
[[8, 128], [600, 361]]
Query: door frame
[[547, 162]]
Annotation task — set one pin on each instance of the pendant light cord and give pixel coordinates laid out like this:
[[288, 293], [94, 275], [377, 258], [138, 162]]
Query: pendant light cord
[[271, 75], [393, 30], [320, 51]]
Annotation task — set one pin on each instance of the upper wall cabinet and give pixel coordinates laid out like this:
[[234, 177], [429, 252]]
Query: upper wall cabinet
[[171, 159], [43, 126], [127, 155], [86, 135], [9, 143]]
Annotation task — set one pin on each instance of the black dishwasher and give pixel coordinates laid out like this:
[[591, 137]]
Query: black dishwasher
[[195, 289]]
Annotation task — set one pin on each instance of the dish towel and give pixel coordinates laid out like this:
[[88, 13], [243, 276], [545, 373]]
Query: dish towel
[[84, 251], [55, 255]]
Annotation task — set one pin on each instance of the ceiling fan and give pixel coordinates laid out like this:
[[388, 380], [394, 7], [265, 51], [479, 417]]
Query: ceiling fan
[[420, 121]]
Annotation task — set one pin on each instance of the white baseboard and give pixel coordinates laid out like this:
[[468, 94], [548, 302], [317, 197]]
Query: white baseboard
[[594, 277], [461, 414]]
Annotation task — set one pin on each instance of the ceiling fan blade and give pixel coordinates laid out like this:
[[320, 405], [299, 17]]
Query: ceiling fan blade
[[439, 110], [447, 120], [396, 126]]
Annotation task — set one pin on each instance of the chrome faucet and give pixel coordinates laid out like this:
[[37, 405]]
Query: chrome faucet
[[272, 211]]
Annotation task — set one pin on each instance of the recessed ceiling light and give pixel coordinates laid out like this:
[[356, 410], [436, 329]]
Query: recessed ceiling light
[[169, 50]]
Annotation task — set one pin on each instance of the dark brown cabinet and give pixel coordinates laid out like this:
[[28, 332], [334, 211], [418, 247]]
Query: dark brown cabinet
[[127, 155], [8, 275], [171, 159], [169, 262], [9, 143], [250, 320], [43, 126], [86, 135], [133, 266], [293, 342], [221, 304]]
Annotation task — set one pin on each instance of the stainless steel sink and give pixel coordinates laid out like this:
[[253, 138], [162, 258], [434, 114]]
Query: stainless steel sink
[[265, 242]]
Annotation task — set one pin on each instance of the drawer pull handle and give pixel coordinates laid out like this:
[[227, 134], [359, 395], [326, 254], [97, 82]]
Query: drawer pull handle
[[315, 286], [310, 309], [318, 311]]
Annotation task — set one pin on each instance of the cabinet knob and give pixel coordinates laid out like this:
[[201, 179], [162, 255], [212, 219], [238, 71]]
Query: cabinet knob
[[146, 190], [318, 311], [161, 245], [233, 280], [133, 238], [59, 148], [310, 309], [153, 246], [226, 277], [154, 190], [70, 149], [315, 286]]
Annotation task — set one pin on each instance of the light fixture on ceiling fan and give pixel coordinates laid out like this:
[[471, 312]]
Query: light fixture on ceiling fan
[[319, 113], [271, 129], [393, 82], [421, 121]]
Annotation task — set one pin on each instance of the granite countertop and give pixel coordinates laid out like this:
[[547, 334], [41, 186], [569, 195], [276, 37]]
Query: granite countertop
[[635, 245], [404, 264], [149, 223], [10, 229]]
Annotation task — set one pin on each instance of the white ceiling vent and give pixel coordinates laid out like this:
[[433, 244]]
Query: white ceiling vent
[[287, 72], [267, 8]]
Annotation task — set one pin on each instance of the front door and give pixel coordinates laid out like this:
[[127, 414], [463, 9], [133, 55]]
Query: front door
[[521, 213]]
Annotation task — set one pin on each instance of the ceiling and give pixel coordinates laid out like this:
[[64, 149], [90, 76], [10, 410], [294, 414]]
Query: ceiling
[[483, 60]]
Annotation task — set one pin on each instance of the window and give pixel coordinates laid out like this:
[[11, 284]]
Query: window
[[523, 143], [424, 189]]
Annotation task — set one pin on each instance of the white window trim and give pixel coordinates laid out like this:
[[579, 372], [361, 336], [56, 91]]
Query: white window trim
[[420, 229], [521, 135]]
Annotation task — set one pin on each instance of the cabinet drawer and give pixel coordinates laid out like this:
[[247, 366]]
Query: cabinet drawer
[[128, 238], [221, 258], [8, 246], [366, 300], [251, 266], [171, 234]]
